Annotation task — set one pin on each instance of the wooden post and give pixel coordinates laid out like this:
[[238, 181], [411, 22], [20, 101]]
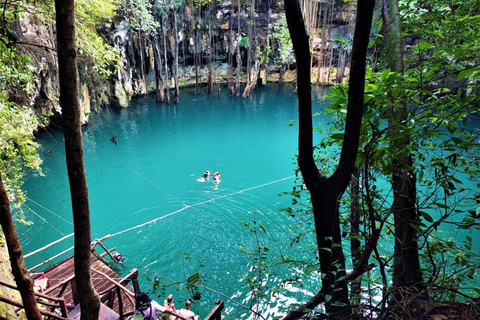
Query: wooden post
[[73, 284], [216, 312], [111, 299], [136, 287], [99, 257], [107, 251], [63, 307], [120, 303]]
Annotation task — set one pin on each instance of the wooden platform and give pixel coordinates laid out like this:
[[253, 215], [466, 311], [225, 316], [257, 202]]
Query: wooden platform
[[115, 292]]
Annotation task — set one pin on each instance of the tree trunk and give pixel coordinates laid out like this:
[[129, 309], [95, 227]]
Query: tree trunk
[[322, 59], [157, 59], [239, 58], [208, 52], [326, 192], [19, 270], [68, 79], [248, 85], [175, 59], [164, 32], [141, 49], [406, 264], [196, 52], [355, 232], [320, 52], [252, 71], [231, 51]]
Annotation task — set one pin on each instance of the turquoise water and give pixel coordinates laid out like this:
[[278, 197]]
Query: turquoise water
[[151, 176], [144, 192]]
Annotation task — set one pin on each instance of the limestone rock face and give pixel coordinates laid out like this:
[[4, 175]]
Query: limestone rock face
[[38, 40], [7, 311]]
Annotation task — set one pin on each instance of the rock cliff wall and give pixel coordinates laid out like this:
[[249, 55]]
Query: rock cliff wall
[[207, 42]]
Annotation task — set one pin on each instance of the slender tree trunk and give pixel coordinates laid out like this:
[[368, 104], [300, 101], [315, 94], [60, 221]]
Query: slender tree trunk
[[175, 61], [355, 232], [239, 58], [141, 49], [263, 67], [164, 32], [68, 79], [231, 52], [326, 192], [208, 52], [250, 54], [19, 270], [406, 266], [320, 52], [157, 59], [321, 61], [342, 62], [196, 52]]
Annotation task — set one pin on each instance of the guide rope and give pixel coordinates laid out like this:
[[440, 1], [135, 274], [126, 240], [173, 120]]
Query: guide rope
[[43, 219], [194, 205], [185, 206], [50, 211]]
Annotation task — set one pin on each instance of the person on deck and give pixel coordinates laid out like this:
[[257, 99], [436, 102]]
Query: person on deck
[[148, 308], [168, 305], [186, 313]]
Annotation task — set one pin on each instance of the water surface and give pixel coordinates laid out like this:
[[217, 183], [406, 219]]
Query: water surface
[[145, 194]]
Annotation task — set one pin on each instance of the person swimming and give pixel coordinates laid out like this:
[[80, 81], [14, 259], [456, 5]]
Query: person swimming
[[217, 178], [205, 176]]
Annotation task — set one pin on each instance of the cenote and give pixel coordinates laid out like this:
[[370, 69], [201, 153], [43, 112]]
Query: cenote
[[144, 192]]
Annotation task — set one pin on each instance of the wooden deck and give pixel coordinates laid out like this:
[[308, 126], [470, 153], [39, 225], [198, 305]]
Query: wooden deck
[[116, 294], [60, 298]]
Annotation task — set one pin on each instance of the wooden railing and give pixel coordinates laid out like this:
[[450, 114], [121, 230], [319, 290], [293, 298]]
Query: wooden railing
[[216, 312], [49, 302], [108, 296]]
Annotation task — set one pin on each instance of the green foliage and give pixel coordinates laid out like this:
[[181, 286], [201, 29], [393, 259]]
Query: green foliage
[[92, 49], [343, 42], [18, 78], [17, 123], [90, 17], [17, 148], [258, 279], [15, 71], [203, 3], [283, 44], [440, 88], [243, 42], [139, 14], [446, 156]]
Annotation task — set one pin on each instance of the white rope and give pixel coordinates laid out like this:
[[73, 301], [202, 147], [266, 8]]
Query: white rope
[[44, 220], [48, 210], [194, 205]]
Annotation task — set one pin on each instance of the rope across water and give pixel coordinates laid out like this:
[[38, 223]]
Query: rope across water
[[195, 205], [184, 205]]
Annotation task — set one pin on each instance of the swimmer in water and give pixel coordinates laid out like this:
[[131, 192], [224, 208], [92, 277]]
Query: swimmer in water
[[205, 176], [216, 178]]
